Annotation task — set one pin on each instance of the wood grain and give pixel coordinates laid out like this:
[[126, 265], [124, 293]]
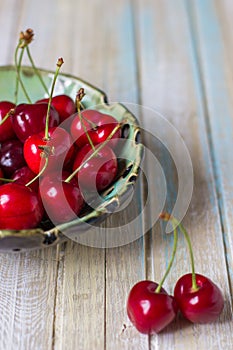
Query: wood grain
[[170, 57], [177, 92], [219, 105]]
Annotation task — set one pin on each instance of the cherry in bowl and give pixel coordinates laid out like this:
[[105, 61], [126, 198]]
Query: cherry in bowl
[[45, 233]]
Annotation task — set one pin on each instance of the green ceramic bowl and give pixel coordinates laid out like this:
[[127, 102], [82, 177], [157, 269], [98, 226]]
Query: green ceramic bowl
[[129, 158]]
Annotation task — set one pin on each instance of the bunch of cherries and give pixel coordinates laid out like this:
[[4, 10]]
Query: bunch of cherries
[[50, 150], [150, 308]]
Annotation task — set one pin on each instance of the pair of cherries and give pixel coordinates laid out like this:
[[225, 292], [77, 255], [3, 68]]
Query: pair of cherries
[[150, 308]]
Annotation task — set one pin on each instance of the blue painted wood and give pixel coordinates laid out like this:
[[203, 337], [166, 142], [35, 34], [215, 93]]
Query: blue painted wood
[[169, 52], [213, 75]]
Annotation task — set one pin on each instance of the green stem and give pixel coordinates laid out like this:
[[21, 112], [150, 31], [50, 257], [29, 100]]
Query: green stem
[[84, 126], [93, 125], [59, 64], [6, 180], [40, 173], [69, 178], [11, 111], [18, 78], [187, 238], [158, 289], [37, 72]]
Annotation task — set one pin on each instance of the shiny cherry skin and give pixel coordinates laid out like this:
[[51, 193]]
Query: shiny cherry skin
[[63, 104], [105, 124], [29, 119], [61, 145], [23, 176], [11, 156], [6, 129], [20, 207], [201, 306], [99, 172], [62, 201], [150, 312]]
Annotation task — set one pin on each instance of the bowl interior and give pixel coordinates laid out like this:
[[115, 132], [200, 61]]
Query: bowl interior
[[129, 156]]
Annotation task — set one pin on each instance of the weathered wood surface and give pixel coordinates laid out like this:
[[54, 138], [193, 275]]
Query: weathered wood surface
[[174, 57]]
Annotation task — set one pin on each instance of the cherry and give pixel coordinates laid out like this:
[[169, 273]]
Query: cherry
[[148, 310], [6, 129], [64, 105], [11, 156], [98, 125], [60, 144], [63, 201], [149, 307], [99, 171], [201, 305], [29, 119], [20, 207], [23, 176], [198, 298]]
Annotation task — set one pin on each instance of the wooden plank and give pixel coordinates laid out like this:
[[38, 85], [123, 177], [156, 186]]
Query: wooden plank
[[80, 299], [28, 284], [219, 98], [171, 82], [28, 280]]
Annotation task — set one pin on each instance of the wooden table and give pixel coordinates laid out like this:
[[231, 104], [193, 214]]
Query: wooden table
[[173, 56]]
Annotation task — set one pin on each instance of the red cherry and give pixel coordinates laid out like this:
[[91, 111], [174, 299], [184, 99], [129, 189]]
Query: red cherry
[[99, 172], [11, 156], [150, 312], [29, 119], [20, 207], [6, 129], [201, 306], [64, 105], [61, 146], [62, 201], [98, 125], [23, 176]]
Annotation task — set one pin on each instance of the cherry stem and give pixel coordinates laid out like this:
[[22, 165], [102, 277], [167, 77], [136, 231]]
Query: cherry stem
[[11, 112], [43, 155], [93, 125], [18, 77], [69, 178], [79, 97], [37, 72], [59, 64], [188, 241], [175, 222], [6, 180], [158, 289]]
